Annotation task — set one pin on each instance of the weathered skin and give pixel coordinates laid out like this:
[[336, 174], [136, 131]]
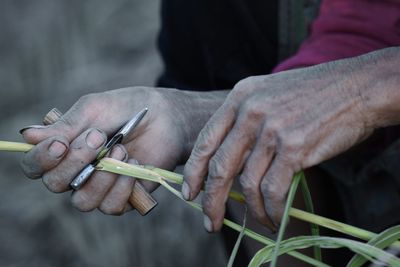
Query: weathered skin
[[267, 128], [276, 125], [164, 138]]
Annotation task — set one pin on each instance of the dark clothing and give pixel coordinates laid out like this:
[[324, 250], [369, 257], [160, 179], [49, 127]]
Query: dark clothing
[[210, 45]]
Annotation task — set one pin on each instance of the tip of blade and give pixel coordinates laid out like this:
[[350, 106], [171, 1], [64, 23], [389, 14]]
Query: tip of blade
[[131, 124], [141, 114]]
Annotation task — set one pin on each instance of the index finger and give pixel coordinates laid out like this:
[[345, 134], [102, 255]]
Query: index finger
[[44, 156], [210, 138]]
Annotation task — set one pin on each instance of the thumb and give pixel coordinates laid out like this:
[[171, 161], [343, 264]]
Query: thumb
[[70, 125]]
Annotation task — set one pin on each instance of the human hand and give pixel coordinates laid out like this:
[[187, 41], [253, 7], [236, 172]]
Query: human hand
[[269, 128], [64, 148]]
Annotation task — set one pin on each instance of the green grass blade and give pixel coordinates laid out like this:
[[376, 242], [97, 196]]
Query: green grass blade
[[260, 258], [383, 240], [15, 146], [310, 208], [285, 217], [238, 241], [142, 172], [137, 171], [113, 166], [369, 252], [335, 225]]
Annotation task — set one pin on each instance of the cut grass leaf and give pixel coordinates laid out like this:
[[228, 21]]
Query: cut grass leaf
[[285, 218], [247, 232], [310, 208], [335, 225], [238, 241], [115, 166], [111, 165], [153, 174], [369, 252], [382, 241], [14, 146]]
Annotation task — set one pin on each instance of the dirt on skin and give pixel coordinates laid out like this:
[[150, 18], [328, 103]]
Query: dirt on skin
[[52, 52]]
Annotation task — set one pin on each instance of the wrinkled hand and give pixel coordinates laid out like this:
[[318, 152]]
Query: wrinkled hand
[[269, 128], [64, 148]]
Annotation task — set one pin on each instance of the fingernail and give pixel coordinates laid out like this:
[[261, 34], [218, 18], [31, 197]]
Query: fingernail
[[185, 191], [95, 139], [57, 149], [31, 127], [270, 225], [118, 153], [207, 224]]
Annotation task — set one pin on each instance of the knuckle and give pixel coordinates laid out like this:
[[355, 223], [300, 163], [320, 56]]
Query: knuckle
[[291, 143], [208, 202], [88, 99], [85, 107], [217, 168], [199, 150], [271, 191], [29, 169], [203, 145], [246, 86], [275, 126], [155, 96], [85, 103], [111, 209], [249, 185], [144, 90], [207, 133], [188, 169], [53, 185], [251, 111], [244, 83], [81, 202], [268, 139]]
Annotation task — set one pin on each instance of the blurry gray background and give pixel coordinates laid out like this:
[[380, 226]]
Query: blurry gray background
[[52, 52]]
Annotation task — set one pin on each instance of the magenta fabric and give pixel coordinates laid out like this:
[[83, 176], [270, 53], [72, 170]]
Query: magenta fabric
[[348, 28]]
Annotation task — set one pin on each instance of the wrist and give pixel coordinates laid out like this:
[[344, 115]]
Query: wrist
[[380, 87]]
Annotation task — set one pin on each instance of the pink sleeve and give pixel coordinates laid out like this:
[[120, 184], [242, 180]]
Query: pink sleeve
[[348, 28]]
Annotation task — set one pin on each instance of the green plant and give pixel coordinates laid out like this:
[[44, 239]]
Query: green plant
[[372, 251]]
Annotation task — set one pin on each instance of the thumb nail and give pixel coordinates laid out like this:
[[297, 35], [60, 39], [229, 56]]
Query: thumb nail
[[31, 127]]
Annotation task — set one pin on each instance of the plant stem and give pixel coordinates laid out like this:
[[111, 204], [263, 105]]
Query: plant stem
[[14, 146], [238, 241], [285, 217], [335, 225], [153, 174], [262, 239], [310, 208], [122, 168]]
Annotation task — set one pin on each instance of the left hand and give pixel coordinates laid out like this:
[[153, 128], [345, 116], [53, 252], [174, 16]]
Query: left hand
[[269, 128]]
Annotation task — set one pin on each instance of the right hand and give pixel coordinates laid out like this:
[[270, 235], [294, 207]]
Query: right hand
[[66, 147]]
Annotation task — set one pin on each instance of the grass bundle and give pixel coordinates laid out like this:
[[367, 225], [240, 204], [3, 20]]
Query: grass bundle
[[372, 251]]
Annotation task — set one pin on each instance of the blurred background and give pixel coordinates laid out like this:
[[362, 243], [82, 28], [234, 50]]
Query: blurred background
[[51, 53]]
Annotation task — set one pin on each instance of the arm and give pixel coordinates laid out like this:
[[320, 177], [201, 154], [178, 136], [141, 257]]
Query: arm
[[273, 126], [379, 76]]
